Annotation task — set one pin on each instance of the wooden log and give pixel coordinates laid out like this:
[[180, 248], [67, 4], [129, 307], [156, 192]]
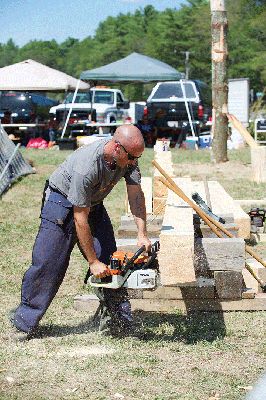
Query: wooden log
[[181, 292], [248, 293], [219, 56], [159, 204], [219, 254], [89, 304], [146, 186], [206, 231], [258, 164], [249, 280], [177, 239], [130, 244], [228, 284]]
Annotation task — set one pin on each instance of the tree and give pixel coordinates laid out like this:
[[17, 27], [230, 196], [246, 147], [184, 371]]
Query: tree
[[219, 80], [8, 53], [45, 52]]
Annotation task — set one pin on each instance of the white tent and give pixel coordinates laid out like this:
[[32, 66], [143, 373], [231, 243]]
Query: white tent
[[29, 75]]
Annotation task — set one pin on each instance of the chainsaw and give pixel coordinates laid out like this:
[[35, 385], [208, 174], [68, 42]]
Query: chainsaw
[[129, 270], [201, 203], [257, 218]]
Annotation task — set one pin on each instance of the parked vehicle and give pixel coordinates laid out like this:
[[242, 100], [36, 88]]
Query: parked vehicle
[[23, 107], [166, 107], [109, 105]]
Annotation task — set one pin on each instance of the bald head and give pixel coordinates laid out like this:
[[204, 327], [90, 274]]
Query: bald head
[[130, 137]]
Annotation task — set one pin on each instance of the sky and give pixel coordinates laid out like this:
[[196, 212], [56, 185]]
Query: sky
[[25, 20]]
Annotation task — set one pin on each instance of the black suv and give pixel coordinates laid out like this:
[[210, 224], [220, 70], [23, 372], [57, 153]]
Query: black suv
[[167, 109], [18, 107]]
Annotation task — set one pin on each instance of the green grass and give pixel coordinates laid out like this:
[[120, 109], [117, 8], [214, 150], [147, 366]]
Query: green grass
[[179, 357]]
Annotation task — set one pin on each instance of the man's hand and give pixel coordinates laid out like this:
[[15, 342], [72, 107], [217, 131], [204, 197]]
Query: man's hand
[[99, 269], [144, 241]]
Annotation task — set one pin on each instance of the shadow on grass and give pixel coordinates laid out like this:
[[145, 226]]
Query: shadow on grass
[[151, 326], [191, 328]]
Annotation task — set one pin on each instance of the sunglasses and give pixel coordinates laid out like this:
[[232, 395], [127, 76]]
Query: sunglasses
[[129, 156]]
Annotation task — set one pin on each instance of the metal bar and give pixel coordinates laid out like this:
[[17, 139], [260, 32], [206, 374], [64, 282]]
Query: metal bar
[[70, 109], [188, 112]]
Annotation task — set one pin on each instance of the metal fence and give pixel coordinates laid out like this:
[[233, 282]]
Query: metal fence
[[12, 163]]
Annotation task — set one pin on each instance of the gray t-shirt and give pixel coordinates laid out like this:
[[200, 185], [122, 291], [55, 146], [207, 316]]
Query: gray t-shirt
[[85, 179]]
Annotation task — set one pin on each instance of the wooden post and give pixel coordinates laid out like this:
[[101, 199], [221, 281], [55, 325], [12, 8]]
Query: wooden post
[[242, 130], [258, 164], [219, 80]]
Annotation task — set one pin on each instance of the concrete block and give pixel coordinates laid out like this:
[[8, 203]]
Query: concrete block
[[249, 280], [219, 254], [228, 284]]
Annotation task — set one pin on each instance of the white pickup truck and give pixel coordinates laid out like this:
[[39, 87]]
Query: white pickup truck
[[99, 104]]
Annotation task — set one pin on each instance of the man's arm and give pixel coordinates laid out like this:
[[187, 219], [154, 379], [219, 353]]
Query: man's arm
[[137, 205], [86, 241]]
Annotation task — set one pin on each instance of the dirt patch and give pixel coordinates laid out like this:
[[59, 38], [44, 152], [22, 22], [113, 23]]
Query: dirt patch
[[229, 170], [85, 351]]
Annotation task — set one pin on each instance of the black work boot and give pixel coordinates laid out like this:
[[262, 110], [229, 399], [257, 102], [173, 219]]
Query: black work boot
[[17, 335]]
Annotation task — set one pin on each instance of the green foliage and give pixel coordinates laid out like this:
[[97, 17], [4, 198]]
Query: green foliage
[[164, 35]]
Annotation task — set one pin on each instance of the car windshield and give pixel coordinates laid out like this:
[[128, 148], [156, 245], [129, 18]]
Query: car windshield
[[14, 101], [174, 91], [103, 97], [80, 98]]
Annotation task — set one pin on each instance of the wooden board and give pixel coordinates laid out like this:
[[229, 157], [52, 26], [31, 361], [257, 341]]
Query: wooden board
[[89, 304], [177, 239]]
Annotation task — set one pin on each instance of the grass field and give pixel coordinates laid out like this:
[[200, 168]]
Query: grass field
[[204, 356]]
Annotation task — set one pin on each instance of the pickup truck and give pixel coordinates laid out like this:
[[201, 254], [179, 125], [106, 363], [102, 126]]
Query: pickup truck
[[99, 104], [167, 109]]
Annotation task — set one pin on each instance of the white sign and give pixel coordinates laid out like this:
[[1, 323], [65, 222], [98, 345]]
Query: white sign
[[238, 99]]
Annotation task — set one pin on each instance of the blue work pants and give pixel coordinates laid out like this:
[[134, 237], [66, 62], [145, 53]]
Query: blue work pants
[[54, 243]]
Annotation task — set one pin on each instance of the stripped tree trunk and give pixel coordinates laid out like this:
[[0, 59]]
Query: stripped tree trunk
[[219, 80]]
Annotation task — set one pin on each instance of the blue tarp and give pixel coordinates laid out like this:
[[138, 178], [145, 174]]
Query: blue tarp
[[42, 100]]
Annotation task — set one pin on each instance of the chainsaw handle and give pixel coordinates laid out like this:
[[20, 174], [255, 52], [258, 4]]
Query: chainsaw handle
[[92, 283], [138, 253], [154, 248]]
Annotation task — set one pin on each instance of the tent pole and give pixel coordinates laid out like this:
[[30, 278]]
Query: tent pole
[[188, 111], [70, 109]]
